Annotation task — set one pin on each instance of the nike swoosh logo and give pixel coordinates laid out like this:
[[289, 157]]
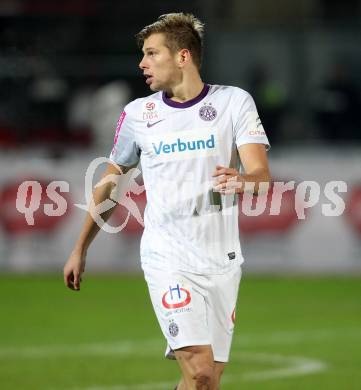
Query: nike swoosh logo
[[154, 123]]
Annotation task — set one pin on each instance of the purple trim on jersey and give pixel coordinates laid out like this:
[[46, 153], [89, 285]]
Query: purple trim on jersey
[[167, 100]]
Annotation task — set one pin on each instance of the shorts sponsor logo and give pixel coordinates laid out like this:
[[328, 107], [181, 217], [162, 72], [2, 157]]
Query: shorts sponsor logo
[[176, 297], [175, 312], [207, 112], [173, 329]]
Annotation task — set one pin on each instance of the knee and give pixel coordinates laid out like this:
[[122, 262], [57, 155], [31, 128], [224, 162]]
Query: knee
[[198, 365], [204, 378]]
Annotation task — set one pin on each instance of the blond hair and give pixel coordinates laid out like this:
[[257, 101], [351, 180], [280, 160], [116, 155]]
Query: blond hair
[[181, 31]]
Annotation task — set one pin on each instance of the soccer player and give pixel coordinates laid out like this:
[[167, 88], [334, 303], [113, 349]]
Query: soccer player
[[191, 139]]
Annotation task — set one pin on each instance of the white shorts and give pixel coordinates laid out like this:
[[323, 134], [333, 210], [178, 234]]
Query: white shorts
[[195, 309]]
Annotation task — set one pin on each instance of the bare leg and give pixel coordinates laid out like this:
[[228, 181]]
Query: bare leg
[[198, 368], [219, 368]]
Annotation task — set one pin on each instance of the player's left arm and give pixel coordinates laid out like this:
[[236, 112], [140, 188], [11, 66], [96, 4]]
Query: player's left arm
[[256, 171]]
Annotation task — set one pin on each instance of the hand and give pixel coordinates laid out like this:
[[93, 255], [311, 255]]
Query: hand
[[73, 269], [228, 180]]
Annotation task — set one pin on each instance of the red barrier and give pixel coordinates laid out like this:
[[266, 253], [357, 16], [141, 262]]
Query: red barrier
[[353, 209], [266, 223], [248, 225], [133, 227], [14, 222]]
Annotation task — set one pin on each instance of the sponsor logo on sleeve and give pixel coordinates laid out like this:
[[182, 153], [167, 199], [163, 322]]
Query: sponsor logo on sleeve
[[254, 125]]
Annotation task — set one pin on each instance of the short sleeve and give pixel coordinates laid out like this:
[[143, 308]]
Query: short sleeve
[[125, 150], [248, 128]]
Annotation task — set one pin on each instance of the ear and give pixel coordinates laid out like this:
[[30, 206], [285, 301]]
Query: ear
[[184, 57]]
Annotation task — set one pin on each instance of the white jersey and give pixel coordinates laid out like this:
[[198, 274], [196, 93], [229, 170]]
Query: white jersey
[[188, 226]]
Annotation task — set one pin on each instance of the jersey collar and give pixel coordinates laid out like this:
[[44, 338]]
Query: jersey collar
[[189, 103]]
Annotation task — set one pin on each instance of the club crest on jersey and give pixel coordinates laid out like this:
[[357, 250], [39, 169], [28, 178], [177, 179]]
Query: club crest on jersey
[[176, 297], [173, 329], [207, 112], [150, 111]]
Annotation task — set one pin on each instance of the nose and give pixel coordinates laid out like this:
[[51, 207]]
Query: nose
[[142, 64]]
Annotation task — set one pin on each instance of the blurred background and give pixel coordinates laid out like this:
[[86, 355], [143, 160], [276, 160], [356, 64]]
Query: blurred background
[[67, 68]]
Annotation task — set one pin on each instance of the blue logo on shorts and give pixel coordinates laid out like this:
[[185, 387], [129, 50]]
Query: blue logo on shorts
[[176, 297]]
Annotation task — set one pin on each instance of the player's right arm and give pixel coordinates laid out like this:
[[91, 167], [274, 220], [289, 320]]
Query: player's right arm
[[75, 265], [125, 155]]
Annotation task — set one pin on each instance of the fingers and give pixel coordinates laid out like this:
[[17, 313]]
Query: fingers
[[225, 179], [228, 185], [220, 170], [72, 280], [67, 279], [76, 282], [224, 176], [228, 181]]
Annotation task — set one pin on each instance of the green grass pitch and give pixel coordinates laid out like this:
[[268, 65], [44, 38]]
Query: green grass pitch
[[291, 333]]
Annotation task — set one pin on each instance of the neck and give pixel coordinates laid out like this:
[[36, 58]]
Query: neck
[[186, 90]]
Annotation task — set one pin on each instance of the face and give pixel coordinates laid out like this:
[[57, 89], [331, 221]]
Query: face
[[159, 65]]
